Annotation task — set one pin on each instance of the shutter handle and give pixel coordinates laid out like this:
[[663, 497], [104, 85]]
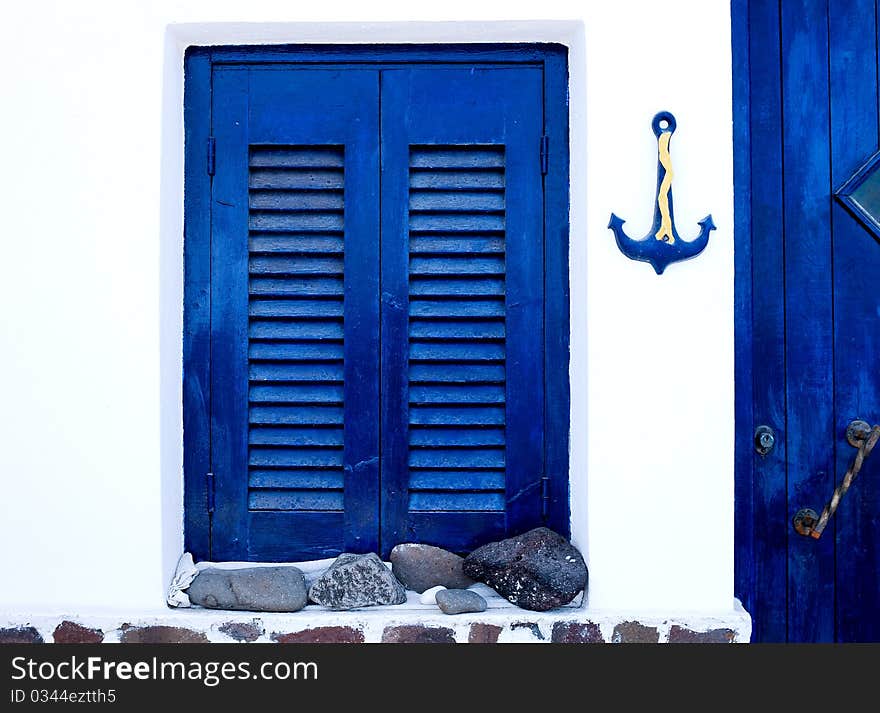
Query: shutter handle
[[861, 436]]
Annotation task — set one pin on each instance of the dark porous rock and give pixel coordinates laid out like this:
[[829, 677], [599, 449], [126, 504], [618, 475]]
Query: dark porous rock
[[281, 589], [538, 570], [460, 601], [420, 567], [354, 581]]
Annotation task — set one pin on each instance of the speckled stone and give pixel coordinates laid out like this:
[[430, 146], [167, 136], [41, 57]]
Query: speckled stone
[[242, 631], [354, 581]]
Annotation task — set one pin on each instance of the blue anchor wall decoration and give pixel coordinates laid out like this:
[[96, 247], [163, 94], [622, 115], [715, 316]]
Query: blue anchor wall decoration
[[662, 245]]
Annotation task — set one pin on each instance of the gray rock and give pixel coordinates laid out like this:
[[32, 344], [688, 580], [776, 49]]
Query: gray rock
[[354, 581], [460, 601], [420, 567], [250, 589], [538, 570]]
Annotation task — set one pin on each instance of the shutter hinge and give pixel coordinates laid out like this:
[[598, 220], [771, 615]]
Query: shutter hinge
[[210, 489], [545, 497], [545, 154], [212, 153]]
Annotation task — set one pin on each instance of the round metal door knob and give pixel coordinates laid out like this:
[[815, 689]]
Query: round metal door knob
[[765, 440], [857, 432], [804, 521]]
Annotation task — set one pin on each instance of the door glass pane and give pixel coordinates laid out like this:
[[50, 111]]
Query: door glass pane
[[867, 196]]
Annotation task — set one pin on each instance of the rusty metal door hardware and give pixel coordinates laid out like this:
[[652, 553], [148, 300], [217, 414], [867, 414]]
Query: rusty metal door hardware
[[861, 436]]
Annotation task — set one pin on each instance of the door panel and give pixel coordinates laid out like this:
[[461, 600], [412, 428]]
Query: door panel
[[809, 347], [853, 100], [770, 537], [815, 315]]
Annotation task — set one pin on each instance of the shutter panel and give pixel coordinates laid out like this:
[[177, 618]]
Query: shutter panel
[[295, 313], [462, 265], [295, 328]]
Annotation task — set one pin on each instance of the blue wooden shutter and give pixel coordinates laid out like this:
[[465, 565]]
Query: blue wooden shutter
[[462, 312], [295, 312]]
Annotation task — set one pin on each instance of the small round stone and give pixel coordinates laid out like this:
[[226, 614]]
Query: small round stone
[[460, 601], [429, 596]]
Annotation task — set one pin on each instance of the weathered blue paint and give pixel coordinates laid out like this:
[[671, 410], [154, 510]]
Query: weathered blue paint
[[809, 347], [744, 496], [229, 308], [197, 307], [805, 86], [556, 291], [661, 252], [856, 276], [463, 456], [762, 265], [463, 281]]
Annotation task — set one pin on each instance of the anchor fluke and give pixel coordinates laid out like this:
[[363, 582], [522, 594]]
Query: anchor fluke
[[662, 245]]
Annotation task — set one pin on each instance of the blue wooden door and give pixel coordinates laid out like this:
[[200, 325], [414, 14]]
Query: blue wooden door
[[377, 286], [809, 120]]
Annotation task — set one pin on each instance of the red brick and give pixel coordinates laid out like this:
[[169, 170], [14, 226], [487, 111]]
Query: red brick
[[161, 635], [632, 632], [574, 632], [322, 635], [417, 634], [69, 632], [484, 634], [682, 635]]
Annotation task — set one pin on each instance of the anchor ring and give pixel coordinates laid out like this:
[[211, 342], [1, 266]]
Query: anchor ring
[[663, 116]]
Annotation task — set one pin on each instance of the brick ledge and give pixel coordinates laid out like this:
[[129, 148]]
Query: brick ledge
[[380, 624]]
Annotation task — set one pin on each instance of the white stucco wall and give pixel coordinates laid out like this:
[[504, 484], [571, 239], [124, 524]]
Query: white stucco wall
[[91, 286]]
